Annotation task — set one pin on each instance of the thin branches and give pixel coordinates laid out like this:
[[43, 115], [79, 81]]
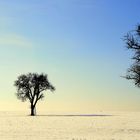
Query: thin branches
[[132, 41]]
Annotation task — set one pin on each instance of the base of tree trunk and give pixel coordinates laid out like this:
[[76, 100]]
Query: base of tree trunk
[[33, 111]]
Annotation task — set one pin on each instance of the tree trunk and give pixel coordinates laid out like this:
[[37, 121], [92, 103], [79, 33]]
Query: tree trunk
[[33, 110]]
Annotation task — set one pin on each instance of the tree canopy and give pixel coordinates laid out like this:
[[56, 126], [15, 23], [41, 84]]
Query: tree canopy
[[132, 41], [31, 87]]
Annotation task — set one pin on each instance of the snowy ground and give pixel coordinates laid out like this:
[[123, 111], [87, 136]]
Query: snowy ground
[[119, 126]]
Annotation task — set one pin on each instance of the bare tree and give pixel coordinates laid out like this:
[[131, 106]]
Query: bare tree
[[31, 87], [132, 40]]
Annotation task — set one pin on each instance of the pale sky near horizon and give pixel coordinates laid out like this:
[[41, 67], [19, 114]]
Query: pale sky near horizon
[[78, 43]]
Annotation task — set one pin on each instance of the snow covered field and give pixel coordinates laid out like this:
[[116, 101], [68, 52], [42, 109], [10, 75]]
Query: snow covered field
[[119, 126]]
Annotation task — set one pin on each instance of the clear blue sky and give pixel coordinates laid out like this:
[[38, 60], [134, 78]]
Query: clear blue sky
[[78, 43]]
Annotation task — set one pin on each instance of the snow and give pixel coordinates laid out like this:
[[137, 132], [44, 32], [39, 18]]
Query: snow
[[112, 126]]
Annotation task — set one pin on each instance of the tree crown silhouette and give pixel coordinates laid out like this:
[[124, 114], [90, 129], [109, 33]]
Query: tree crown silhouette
[[31, 86], [132, 41]]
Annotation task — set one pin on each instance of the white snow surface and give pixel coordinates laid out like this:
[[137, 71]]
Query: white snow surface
[[114, 126]]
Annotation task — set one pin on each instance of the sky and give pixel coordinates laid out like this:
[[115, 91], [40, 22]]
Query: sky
[[78, 43]]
